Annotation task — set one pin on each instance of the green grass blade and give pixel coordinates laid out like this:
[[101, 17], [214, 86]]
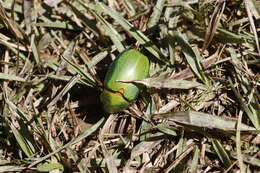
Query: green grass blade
[[138, 35], [113, 34], [191, 57], [23, 143], [195, 160], [11, 77], [221, 152], [46, 167], [167, 129], [88, 80]]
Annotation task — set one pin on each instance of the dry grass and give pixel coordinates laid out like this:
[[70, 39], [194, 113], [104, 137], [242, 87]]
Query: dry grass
[[199, 111]]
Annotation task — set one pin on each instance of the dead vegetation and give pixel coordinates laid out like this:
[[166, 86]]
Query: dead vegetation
[[199, 111]]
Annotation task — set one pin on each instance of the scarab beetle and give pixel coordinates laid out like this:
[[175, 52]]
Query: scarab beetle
[[129, 65]]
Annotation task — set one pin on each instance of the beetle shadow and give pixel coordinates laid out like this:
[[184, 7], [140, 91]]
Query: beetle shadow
[[89, 107]]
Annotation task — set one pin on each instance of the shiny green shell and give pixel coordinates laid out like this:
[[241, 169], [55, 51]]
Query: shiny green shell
[[130, 65]]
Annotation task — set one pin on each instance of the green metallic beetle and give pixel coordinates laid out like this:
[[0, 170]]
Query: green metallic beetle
[[130, 65]]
